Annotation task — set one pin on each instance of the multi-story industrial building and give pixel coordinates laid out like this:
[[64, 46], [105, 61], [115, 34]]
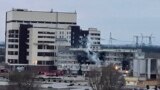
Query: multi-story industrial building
[[31, 35], [54, 39], [35, 37]]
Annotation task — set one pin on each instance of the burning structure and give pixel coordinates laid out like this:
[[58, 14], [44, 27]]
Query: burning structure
[[34, 39]]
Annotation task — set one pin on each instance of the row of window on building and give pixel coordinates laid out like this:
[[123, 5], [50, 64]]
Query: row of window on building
[[46, 41], [12, 52], [14, 61], [64, 37], [46, 47], [12, 46], [96, 42], [40, 32], [13, 31], [13, 40], [63, 32], [45, 62], [74, 67], [95, 34], [43, 22], [13, 35], [50, 54], [95, 38], [46, 37]]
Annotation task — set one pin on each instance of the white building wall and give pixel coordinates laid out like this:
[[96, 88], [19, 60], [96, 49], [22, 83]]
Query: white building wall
[[34, 44], [95, 37], [149, 68], [42, 16], [32, 57], [139, 64], [139, 67]]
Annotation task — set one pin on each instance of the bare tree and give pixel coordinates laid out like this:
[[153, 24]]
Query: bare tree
[[106, 78], [22, 81], [94, 79]]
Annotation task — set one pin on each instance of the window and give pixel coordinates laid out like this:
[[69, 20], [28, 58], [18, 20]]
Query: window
[[13, 31], [46, 47], [41, 32], [13, 36], [12, 61], [40, 22], [45, 62], [46, 37], [12, 52], [40, 46], [34, 22], [51, 54], [49, 62], [12, 46], [39, 62], [48, 22], [26, 21], [95, 34], [40, 36], [27, 46], [27, 40], [19, 21], [50, 47], [27, 53], [45, 41]]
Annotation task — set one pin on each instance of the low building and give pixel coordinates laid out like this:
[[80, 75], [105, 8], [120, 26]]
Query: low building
[[143, 61]]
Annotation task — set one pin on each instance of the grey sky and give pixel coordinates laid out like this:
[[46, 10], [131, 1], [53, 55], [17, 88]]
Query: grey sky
[[124, 18]]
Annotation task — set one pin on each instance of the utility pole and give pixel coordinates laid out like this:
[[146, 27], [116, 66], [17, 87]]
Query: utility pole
[[111, 39], [142, 39], [150, 39], [137, 40]]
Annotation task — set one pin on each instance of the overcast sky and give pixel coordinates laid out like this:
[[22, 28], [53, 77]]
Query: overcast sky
[[124, 18]]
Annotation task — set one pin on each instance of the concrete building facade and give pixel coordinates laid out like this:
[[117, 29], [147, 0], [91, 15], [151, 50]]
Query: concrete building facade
[[37, 37], [31, 35]]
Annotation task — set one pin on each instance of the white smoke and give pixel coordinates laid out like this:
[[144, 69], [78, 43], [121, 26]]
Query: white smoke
[[91, 54]]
